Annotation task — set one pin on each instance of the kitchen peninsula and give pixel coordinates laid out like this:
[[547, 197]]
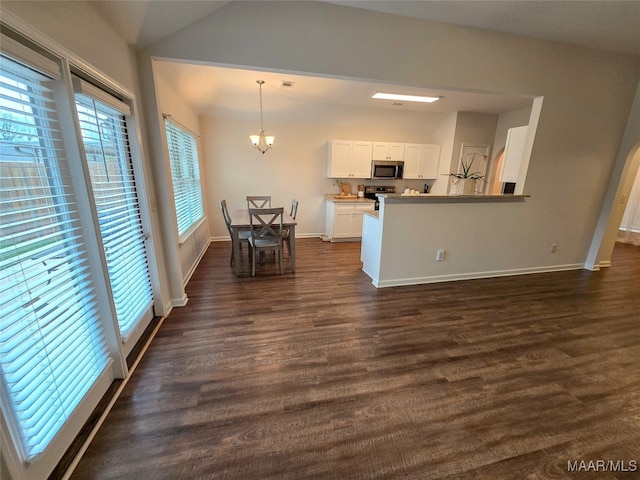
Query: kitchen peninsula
[[426, 238]]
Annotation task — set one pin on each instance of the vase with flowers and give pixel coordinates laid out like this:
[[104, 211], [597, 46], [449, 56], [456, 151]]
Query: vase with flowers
[[344, 188], [468, 178]]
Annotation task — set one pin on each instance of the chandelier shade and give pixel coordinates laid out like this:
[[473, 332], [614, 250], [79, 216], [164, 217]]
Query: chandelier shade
[[262, 141]]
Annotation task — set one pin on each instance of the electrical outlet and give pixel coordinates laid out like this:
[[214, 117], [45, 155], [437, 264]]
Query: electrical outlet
[[554, 247], [439, 255]]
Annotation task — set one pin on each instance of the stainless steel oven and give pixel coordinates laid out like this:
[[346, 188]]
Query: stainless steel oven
[[371, 191], [381, 169]]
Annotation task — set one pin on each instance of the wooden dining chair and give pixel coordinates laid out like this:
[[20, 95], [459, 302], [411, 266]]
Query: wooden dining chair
[[266, 234], [258, 201], [294, 208], [286, 234], [243, 235]]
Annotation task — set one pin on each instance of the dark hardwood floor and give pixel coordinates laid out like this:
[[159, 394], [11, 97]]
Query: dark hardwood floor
[[318, 375]]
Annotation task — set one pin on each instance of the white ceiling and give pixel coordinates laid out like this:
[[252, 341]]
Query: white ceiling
[[607, 24]]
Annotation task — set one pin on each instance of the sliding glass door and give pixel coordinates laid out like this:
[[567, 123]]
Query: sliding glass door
[[107, 148]]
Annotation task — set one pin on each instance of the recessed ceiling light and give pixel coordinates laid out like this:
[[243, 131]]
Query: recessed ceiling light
[[404, 98]]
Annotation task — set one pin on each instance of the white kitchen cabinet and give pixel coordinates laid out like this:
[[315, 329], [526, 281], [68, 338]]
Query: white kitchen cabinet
[[421, 161], [513, 152], [344, 219], [349, 159], [388, 151]]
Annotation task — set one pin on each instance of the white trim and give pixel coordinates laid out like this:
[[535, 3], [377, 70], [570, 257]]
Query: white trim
[[473, 276], [29, 57], [21, 27], [196, 263], [191, 230], [112, 402], [179, 302], [91, 90]]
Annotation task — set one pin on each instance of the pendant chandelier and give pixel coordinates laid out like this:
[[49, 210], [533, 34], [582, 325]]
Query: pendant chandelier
[[261, 141]]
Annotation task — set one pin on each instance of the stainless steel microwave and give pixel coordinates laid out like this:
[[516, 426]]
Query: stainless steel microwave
[[386, 170]]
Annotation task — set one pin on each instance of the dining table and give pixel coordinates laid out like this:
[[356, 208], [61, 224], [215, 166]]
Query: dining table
[[240, 221]]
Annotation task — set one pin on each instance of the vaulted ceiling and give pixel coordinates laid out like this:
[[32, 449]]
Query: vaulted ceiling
[[609, 24]]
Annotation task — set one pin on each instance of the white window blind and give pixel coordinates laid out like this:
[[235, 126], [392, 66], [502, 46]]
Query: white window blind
[[52, 345], [104, 134], [185, 174]]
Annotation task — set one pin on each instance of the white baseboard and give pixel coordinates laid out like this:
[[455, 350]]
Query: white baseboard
[[473, 275], [196, 263], [179, 302]]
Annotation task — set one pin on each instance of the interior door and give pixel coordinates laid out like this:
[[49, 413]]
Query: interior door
[[477, 156]]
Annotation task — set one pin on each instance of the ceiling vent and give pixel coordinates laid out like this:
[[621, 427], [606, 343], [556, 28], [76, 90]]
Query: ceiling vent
[[288, 84]]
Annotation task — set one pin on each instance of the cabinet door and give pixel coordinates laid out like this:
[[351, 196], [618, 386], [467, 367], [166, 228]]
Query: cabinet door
[[396, 151], [361, 159], [342, 222], [412, 161], [430, 156], [356, 224], [421, 161], [339, 165], [388, 151], [380, 151]]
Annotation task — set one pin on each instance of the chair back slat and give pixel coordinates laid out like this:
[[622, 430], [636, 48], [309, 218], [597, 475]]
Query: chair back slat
[[266, 222], [294, 208], [258, 201], [225, 214]]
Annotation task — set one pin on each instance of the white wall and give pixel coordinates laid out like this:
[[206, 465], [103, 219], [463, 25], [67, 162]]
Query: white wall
[[579, 126], [78, 27], [296, 167], [445, 137], [193, 247], [517, 118]]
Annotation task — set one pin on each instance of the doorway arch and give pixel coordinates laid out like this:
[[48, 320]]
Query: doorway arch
[[495, 185], [623, 173]]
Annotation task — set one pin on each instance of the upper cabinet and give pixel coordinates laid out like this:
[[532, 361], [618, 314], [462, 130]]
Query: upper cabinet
[[513, 153], [388, 151], [349, 159], [421, 161]]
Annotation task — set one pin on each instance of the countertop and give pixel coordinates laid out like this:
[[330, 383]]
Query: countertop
[[334, 197], [428, 198]]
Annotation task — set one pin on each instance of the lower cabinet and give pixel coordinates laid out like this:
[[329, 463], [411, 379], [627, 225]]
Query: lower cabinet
[[344, 220]]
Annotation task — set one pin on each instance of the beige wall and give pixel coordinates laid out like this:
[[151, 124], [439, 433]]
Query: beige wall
[[296, 167], [78, 27], [580, 128]]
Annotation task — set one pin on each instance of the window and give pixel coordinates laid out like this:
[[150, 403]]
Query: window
[[52, 344], [185, 174], [106, 144]]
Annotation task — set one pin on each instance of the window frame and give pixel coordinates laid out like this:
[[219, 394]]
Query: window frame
[[190, 163], [65, 63]]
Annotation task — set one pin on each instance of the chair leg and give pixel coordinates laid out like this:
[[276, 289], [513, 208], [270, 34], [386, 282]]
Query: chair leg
[[280, 252], [253, 264], [232, 261]]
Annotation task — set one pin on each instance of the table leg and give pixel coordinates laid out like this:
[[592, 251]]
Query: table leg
[[237, 257], [292, 240]]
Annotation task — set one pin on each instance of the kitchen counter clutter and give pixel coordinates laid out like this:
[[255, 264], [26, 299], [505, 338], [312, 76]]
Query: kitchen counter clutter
[[334, 197]]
